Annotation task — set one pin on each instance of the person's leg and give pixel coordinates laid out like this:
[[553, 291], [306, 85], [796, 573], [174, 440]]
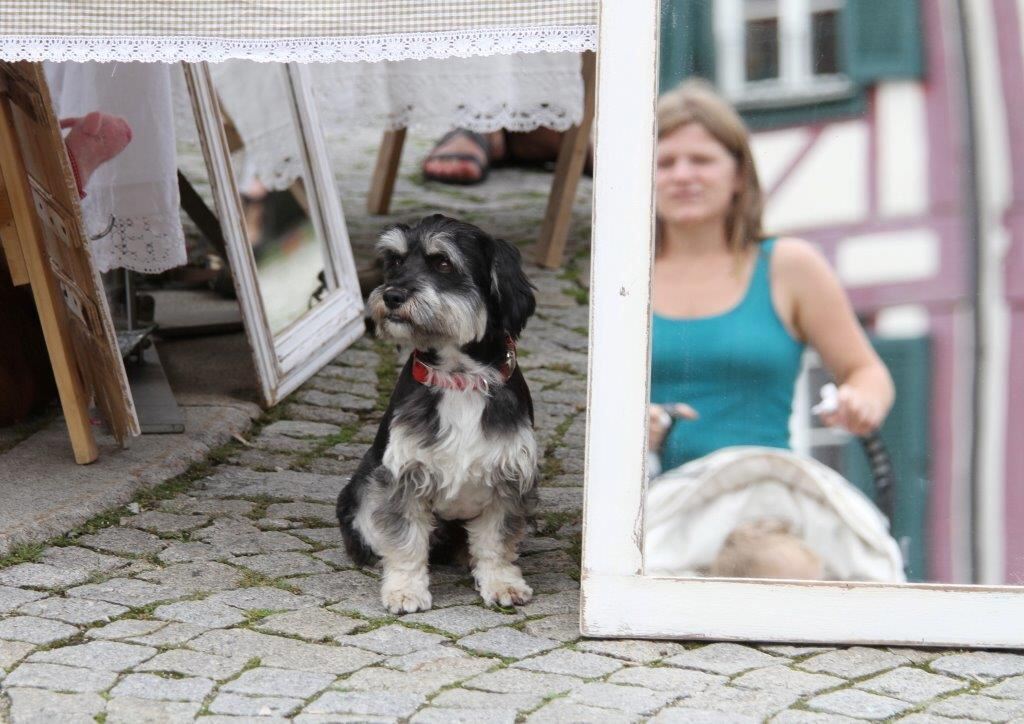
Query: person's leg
[[462, 157]]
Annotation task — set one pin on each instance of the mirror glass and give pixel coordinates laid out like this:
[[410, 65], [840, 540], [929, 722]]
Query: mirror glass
[[270, 175], [829, 336]]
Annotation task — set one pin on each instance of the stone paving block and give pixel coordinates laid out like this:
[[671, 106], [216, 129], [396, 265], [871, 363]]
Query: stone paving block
[[560, 627], [913, 685], [560, 711], [859, 704], [925, 718], [1007, 689], [200, 613], [665, 678], [149, 686], [794, 651], [441, 715], [724, 659], [264, 681], [798, 716], [545, 604], [12, 598], [980, 665], [11, 652], [463, 620], [304, 511], [446, 596], [559, 500], [640, 652], [173, 634], [199, 577], [322, 414], [507, 642], [127, 592], [758, 703], [518, 681], [379, 703], [144, 711], [126, 541], [60, 678], [300, 429], [258, 706], [554, 582], [36, 706], [42, 575], [157, 521], [321, 536], [786, 679], [106, 655], [124, 628], [621, 697], [195, 663], [337, 557], [540, 544], [417, 659], [283, 445], [571, 663], [229, 719], [208, 506], [278, 565], [34, 630], [854, 662], [287, 484], [284, 653], [916, 656], [678, 715], [972, 706], [192, 551], [339, 586], [312, 624], [72, 610], [263, 597], [241, 538], [426, 678], [393, 640], [487, 700]]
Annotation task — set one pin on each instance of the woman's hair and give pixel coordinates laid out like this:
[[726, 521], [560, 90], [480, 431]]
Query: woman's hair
[[695, 101]]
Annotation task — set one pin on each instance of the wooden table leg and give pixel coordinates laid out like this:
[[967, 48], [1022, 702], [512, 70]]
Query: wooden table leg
[[385, 172], [571, 158], [46, 293]]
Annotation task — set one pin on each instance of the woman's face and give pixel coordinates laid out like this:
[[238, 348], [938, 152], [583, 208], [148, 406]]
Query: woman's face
[[695, 178]]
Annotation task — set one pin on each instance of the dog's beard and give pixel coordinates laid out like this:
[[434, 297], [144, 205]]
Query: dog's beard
[[430, 319]]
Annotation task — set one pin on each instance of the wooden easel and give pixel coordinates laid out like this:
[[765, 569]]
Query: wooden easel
[[45, 246]]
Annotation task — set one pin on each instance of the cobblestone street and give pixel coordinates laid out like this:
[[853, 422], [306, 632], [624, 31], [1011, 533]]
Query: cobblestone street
[[225, 595]]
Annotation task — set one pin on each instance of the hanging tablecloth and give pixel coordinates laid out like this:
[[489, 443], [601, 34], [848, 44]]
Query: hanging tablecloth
[[290, 30], [509, 63]]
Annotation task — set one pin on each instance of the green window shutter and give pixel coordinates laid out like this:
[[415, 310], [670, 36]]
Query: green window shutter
[[687, 41], [882, 39]]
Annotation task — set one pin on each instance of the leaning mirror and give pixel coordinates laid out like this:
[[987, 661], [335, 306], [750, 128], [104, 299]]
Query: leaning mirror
[[807, 342], [281, 217]]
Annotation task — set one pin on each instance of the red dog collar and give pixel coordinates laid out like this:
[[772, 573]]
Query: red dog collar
[[427, 375]]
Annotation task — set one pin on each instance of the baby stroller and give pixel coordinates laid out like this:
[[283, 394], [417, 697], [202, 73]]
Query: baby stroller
[[692, 510]]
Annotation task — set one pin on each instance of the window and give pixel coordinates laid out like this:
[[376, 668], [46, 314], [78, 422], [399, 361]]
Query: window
[[777, 52]]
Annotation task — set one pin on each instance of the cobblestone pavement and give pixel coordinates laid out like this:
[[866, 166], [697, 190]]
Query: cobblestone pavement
[[225, 595]]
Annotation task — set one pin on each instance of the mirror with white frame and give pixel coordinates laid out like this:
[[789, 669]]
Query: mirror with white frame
[[281, 216], [830, 327]]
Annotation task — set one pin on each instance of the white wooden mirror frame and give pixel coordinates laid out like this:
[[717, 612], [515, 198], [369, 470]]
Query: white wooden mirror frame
[[285, 361], [617, 600]]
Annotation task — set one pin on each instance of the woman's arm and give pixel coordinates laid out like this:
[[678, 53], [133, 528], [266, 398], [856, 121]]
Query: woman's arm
[[821, 314]]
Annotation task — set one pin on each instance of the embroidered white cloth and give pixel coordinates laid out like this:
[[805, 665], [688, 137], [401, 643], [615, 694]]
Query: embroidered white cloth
[[138, 189], [290, 30]]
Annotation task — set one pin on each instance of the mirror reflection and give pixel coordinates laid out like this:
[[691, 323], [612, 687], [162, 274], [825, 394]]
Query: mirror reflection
[[265, 145], [818, 402]]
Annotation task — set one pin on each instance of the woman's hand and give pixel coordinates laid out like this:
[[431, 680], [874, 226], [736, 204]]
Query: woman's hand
[[659, 420], [855, 412]]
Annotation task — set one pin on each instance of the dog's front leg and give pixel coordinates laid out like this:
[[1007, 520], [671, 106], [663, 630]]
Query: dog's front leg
[[493, 538]]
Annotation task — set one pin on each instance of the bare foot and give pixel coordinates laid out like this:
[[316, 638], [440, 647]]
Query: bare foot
[[460, 158], [95, 139]]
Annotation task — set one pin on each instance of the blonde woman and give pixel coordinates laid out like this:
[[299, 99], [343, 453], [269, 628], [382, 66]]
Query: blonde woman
[[733, 310]]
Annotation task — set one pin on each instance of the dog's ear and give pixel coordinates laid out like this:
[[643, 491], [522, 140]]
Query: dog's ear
[[511, 288]]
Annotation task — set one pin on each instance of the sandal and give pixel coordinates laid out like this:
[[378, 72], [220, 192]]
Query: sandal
[[484, 167]]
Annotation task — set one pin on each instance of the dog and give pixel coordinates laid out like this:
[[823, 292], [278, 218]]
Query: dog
[[455, 454]]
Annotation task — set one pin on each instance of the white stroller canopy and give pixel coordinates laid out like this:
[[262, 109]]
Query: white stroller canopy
[[691, 510]]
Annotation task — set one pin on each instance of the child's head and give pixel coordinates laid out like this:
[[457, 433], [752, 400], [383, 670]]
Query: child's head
[[766, 548]]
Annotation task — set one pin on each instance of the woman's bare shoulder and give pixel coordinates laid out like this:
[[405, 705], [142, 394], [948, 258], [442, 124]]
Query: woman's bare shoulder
[[799, 262]]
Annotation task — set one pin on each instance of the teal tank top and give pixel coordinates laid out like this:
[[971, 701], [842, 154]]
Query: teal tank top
[[738, 370]]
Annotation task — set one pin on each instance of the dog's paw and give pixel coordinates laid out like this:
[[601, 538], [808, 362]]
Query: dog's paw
[[505, 591], [406, 600]]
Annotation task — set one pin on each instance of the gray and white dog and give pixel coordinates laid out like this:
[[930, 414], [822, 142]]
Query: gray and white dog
[[455, 456]]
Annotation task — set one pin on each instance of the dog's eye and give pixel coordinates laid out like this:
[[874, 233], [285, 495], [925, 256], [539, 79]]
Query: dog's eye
[[392, 261], [442, 265]]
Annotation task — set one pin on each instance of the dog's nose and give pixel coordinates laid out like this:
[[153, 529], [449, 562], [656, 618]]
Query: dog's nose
[[394, 298]]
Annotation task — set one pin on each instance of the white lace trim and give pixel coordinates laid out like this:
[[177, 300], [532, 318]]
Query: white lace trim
[[373, 48], [146, 244]]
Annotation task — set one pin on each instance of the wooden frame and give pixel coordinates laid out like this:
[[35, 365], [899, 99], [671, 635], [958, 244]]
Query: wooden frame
[[289, 358], [617, 599]]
